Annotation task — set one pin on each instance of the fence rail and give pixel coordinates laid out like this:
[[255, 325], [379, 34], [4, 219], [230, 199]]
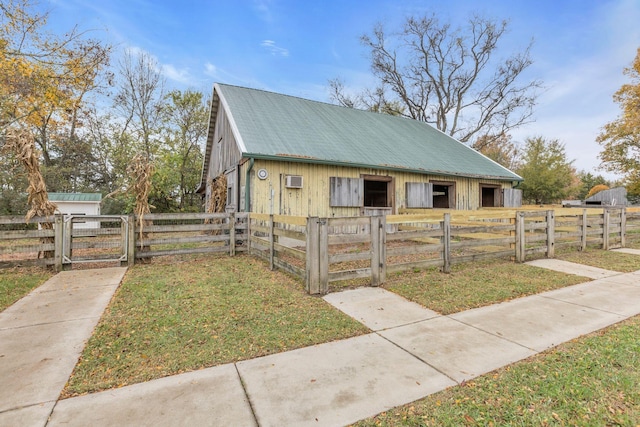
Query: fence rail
[[321, 251]]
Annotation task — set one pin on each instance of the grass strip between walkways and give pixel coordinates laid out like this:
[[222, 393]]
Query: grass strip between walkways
[[171, 317], [590, 381], [615, 261], [478, 284], [17, 282]]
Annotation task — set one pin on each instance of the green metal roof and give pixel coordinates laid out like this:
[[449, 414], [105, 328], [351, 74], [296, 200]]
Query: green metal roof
[[75, 197], [271, 125]]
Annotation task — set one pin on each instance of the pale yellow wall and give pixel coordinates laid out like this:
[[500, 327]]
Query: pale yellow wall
[[313, 198]]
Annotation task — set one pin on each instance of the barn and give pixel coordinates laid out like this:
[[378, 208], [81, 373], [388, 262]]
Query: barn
[[279, 154]]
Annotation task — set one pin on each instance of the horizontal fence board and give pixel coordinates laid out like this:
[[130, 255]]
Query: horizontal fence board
[[295, 253], [96, 245], [406, 266], [25, 234], [414, 250], [484, 229], [355, 221], [533, 251], [21, 220], [482, 256], [290, 220], [356, 273], [290, 268], [182, 228], [27, 262], [183, 240], [484, 242], [93, 232], [42, 247], [96, 258], [209, 249], [336, 258], [185, 216], [340, 239], [532, 238], [290, 234]]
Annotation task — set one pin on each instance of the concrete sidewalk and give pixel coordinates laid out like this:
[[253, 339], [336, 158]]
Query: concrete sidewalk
[[41, 338], [413, 352]]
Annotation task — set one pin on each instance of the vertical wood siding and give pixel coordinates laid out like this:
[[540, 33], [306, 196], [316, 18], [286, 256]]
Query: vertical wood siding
[[271, 196]]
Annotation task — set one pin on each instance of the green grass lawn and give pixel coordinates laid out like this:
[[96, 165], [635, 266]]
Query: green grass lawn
[[168, 318], [15, 283], [478, 284], [615, 261], [590, 381], [174, 316]]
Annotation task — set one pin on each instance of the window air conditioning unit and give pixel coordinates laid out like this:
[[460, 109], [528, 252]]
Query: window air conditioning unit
[[293, 181]]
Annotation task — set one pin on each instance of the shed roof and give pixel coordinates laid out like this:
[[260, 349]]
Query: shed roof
[[275, 126], [75, 197]]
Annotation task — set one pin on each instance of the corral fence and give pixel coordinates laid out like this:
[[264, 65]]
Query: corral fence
[[65, 240], [321, 251]]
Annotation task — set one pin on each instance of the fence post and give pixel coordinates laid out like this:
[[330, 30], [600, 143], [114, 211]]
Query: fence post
[[232, 234], [551, 234], [446, 242], [383, 248], [585, 226], [271, 242], [520, 237], [623, 227], [378, 252], [131, 248], [605, 229], [248, 233], [313, 256], [57, 242], [324, 255]]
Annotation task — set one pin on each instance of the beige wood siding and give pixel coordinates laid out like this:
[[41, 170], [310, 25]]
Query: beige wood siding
[[271, 196]]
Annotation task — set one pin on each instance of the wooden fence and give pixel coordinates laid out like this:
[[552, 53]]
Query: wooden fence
[[321, 251], [117, 238]]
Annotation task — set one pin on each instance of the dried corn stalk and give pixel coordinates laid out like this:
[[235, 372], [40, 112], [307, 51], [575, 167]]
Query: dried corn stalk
[[140, 171], [22, 144], [218, 199]]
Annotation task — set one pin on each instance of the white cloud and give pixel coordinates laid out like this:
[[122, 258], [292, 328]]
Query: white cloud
[[275, 50], [179, 75]]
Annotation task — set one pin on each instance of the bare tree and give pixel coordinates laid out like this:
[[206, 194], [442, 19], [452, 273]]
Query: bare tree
[[140, 98], [447, 77]]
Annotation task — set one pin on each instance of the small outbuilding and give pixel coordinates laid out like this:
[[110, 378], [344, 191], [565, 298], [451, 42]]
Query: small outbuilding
[[612, 197], [78, 204], [285, 155]]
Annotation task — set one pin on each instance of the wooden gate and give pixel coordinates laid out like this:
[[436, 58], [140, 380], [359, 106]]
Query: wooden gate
[[95, 239]]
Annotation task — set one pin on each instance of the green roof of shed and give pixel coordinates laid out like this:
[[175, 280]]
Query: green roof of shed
[[270, 125], [75, 197]]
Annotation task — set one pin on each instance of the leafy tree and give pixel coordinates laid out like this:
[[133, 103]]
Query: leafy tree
[[185, 118], [448, 77], [499, 149], [588, 181], [620, 138], [44, 81], [548, 175]]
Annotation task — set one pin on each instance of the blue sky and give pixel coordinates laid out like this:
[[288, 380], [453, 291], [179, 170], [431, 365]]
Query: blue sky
[[295, 46]]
